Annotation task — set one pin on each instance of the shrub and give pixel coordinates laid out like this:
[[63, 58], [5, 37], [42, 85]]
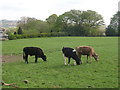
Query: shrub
[[18, 36], [52, 34], [11, 37], [57, 34], [45, 34]]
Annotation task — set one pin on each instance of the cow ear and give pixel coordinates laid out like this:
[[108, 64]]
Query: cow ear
[[74, 50]]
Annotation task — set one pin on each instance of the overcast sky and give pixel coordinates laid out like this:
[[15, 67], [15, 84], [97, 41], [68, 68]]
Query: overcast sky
[[42, 9]]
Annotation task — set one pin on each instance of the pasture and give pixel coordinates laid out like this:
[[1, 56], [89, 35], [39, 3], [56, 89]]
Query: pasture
[[53, 73]]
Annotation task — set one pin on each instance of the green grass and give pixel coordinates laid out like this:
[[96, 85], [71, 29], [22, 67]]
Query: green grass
[[53, 73]]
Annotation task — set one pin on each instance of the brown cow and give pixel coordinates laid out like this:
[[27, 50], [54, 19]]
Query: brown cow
[[86, 50]]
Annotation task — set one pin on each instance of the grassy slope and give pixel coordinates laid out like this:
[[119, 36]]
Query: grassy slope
[[53, 74]]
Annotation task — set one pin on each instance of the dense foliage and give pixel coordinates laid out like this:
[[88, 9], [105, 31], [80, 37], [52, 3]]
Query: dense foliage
[[74, 22], [112, 29], [83, 23], [22, 36]]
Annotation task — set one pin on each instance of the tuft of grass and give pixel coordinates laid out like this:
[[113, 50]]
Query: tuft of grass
[[53, 73]]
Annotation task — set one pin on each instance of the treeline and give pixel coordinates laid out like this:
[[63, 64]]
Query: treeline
[[113, 28], [71, 23]]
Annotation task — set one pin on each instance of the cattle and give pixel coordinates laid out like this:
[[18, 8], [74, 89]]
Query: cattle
[[70, 53], [37, 52], [87, 50]]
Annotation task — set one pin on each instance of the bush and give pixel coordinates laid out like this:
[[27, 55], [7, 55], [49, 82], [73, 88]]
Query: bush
[[19, 36], [52, 34], [45, 34], [12, 37], [58, 34]]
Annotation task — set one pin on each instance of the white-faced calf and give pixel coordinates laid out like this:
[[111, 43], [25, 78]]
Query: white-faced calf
[[70, 53]]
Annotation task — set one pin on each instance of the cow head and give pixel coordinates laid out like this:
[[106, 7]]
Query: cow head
[[78, 61], [96, 57], [44, 57]]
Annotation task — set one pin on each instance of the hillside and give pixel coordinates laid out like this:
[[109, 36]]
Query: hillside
[[8, 23]]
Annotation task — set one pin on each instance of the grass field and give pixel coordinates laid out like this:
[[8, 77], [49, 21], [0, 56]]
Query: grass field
[[53, 73]]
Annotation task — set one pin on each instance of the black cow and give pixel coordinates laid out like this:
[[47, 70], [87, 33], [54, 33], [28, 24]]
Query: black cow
[[70, 53], [33, 51]]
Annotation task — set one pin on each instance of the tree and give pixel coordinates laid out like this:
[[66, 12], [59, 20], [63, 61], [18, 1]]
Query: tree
[[112, 29], [24, 20], [20, 30], [119, 23], [92, 18], [51, 20], [33, 26], [82, 21]]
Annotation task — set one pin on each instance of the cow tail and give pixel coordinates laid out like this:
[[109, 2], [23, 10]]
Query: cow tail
[[23, 55]]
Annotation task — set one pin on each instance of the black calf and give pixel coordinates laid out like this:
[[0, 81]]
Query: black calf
[[33, 51], [70, 53]]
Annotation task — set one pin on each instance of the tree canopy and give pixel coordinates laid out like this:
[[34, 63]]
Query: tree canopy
[[73, 22], [51, 20], [112, 29], [32, 25], [80, 22]]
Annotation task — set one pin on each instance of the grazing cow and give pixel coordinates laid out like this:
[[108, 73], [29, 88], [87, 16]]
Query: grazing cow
[[86, 50], [33, 51], [70, 53]]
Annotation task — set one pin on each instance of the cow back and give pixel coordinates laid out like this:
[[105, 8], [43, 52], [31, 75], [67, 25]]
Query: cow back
[[33, 51], [68, 52], [85, 50]]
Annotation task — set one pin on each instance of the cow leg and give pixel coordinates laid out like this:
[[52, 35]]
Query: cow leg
[[68, 61], [74, 62], [64, 59], [80, 59], [90, 59], [79, 55], [87, 59], [26, 58], [36, 58]]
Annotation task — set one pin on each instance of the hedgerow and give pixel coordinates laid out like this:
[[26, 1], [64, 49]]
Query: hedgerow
[[22, 36]]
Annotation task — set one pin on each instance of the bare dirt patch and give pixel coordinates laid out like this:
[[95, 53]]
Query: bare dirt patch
[[11, 58]]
